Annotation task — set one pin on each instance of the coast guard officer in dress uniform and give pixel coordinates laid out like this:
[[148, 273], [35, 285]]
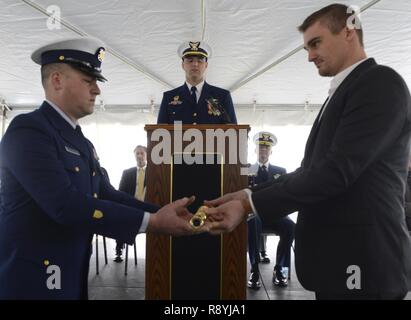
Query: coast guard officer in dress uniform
[[196, 102], [262, 172], [53, 195]]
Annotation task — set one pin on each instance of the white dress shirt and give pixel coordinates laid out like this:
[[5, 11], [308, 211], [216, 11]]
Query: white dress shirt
[[338, 79]]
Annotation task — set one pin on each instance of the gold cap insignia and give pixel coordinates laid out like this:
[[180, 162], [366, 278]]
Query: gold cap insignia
[[97, 214], [101, 54], [194, 45], [265, 137]]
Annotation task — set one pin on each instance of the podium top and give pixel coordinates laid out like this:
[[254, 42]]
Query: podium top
[[172, 127]]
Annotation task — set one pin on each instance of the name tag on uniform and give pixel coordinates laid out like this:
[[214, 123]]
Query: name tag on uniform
[[71, 150]]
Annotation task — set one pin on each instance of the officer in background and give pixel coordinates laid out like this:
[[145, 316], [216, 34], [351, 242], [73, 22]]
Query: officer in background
[[133, 182], [53, 193], [262, 171], [196, 102]]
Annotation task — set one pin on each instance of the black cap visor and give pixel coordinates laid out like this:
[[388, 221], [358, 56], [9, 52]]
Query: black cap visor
[[90, 71]]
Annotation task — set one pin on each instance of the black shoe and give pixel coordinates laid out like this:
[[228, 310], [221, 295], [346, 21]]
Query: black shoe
[[264, 258], [279, 279], [118, 259], [118, 255], [254, 281]]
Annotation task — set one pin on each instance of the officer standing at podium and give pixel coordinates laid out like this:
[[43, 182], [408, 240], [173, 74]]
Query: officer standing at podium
[[53, 195], [196, 102]]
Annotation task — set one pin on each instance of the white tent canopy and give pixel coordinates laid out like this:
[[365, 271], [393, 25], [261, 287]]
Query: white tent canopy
[[257, 54], [143, 36]]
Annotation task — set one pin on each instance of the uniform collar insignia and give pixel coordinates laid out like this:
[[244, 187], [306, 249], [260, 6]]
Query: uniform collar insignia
[[175, 101]]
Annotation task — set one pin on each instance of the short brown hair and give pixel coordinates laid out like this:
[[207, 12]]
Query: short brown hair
[[140, 146], [47, 70], [334, 16]]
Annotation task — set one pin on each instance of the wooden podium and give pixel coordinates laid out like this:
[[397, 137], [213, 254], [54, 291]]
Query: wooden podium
[[200, 266]]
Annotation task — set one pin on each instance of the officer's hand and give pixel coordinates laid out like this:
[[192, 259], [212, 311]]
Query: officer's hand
[[174, 219], [239, 195], [226, 217]]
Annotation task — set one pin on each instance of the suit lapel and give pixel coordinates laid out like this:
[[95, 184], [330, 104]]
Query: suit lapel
[[65, 130], [133, 181], [313, 132]]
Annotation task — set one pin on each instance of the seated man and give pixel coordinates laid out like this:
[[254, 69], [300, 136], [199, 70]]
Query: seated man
[[263, 171], [133, 182]]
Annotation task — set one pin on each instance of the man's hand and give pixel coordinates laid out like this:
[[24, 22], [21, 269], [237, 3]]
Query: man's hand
[[226, 217], [239, 195], [174, 219]]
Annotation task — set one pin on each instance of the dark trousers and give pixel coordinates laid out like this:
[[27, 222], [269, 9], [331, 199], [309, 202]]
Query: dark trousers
[[283, 227], [119, 246]]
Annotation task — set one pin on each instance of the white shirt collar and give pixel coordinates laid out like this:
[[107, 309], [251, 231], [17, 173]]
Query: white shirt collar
[[62, 114], [144, 168], [265, 164], [339, 78], [198, 86]]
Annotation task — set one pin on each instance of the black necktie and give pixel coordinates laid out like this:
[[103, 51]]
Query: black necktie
[[193, 94], [263, 173]]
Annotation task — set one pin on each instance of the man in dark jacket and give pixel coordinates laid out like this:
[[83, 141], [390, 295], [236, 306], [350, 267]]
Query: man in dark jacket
[[54, 195], [133, 182], [351, 239]]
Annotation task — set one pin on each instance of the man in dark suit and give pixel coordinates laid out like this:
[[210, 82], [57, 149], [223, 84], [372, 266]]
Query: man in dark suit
[[54, 196], [351, 239], [260, 172], [196, 102], [133, 182]]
